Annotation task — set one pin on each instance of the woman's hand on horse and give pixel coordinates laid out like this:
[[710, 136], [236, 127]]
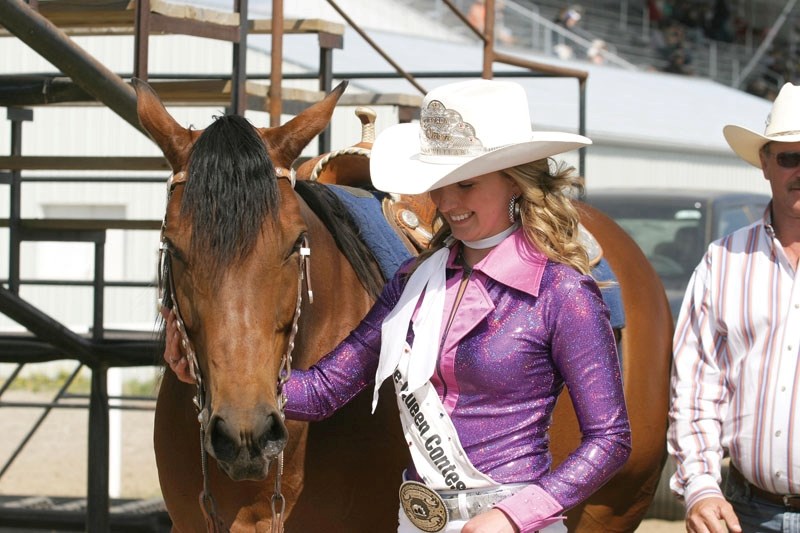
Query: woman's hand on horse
[[492, 521], [173, 355]]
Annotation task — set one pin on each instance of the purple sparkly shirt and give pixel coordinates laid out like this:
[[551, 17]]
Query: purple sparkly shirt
[[525, 327]]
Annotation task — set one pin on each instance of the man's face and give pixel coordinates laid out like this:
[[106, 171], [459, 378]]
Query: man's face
[[781, 165]]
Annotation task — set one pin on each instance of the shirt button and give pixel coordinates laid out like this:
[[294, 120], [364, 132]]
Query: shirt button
[[778, 474], [778, 433], [783, 388]]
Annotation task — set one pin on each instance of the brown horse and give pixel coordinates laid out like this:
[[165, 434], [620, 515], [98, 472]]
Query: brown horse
[[239, 298], [234, 229]]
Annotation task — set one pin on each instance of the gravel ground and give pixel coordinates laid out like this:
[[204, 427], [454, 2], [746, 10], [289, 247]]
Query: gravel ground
[[54, 461]]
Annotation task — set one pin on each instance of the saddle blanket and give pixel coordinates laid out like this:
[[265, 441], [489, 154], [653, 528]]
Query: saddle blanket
[[365, 209]]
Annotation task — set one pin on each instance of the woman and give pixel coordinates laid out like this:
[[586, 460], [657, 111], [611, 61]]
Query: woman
[[480, 334]]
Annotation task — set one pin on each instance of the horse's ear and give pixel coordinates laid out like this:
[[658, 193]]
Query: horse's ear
[[173, 139], [285, 143]]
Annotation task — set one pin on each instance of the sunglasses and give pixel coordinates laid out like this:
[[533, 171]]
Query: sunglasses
[[788, 159]]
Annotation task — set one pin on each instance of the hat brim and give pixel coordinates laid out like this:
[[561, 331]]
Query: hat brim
[[747, 143], [396, 166]]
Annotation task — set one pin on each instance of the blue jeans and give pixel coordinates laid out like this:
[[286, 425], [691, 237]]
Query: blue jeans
[[757, 515]]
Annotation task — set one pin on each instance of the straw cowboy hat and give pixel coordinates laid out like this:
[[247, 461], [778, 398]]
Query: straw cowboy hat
[[466, 129], [783, 125]]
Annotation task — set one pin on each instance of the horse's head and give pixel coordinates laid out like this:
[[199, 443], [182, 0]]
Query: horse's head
[[231, 268]]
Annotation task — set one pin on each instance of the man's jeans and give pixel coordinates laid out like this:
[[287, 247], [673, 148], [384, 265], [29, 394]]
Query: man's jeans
[[756, 515]]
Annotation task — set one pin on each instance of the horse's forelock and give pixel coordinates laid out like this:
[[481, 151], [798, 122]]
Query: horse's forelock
[[230, 189]]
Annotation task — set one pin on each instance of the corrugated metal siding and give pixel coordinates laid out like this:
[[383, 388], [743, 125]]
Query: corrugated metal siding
[[640, 167]]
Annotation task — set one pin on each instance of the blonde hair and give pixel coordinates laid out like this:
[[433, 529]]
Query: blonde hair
[[549, 218]]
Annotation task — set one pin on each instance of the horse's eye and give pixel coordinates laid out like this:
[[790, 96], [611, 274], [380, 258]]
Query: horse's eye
[[299, 243], [174, 251]]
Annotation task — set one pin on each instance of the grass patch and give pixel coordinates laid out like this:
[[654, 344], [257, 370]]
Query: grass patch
[[52, 382]]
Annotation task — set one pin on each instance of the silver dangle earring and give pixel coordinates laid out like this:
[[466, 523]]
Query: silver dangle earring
[[513, 209]]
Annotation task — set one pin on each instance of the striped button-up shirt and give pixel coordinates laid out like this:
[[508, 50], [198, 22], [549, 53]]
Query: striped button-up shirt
[[735, 376]]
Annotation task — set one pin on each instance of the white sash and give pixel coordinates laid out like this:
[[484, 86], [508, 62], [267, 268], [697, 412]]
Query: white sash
[[435, 447], [427, 279]]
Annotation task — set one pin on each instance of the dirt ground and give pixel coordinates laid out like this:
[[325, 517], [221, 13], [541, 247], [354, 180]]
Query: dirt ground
[[54, 461]]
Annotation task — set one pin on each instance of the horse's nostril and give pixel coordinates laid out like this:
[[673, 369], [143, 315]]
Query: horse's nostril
[[222, 442], [274, 433]]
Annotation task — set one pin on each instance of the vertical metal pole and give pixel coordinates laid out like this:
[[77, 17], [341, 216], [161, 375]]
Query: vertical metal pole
[[239, 75], [582, 126], [325, 84], [98, 327], [17, 116], [141, 39], [98, 508], [623, 15], [488, 44], [275, 104]]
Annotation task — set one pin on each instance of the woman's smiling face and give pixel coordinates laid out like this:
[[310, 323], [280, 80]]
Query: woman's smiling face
[[476, 208]]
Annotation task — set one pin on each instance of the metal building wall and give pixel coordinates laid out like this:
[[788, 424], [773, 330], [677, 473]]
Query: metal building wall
[[612, 165]]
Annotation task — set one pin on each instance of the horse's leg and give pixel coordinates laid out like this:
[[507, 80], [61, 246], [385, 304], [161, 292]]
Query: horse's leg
[[177, 449], [353, 470]]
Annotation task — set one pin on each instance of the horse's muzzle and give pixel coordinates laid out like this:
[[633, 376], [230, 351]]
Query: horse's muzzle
[[244, 447]]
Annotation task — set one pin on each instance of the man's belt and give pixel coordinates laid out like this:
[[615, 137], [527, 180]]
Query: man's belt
[[430, 510], [790, 502]]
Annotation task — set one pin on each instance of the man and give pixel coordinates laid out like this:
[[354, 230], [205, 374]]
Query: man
[[736, 371]]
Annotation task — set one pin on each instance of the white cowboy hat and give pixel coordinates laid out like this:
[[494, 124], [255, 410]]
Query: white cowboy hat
[[466, 129], [783, 125]]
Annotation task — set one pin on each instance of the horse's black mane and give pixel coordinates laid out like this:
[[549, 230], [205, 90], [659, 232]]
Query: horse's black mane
[[232, 187], [344, 230]]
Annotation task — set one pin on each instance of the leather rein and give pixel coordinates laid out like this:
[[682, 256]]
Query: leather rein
[[214, 523]]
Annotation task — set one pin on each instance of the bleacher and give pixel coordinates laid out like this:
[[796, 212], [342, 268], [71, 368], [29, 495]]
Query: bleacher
[[630, 37]]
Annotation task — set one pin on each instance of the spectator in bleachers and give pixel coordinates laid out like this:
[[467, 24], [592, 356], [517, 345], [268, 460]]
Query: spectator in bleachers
[[673, 46], [570, 16], [477, 17], [654, 13], [678, 62], [596, 51], [720, 27], [693, 16]]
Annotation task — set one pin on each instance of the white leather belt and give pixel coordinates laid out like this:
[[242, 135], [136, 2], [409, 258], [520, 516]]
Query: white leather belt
[[464, 504]]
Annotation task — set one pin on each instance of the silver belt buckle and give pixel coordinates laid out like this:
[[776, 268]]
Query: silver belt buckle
[[423, 506]]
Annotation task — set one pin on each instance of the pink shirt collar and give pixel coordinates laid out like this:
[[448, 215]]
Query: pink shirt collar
[[515, 262]]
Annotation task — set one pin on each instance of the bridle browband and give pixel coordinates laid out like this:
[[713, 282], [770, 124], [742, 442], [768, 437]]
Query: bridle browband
[[165, 276]]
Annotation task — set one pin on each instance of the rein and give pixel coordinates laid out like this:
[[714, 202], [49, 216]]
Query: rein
[[214, 523]]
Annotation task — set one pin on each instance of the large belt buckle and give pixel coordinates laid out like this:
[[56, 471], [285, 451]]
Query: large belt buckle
[[423, 506]]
